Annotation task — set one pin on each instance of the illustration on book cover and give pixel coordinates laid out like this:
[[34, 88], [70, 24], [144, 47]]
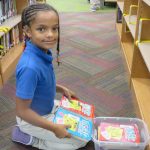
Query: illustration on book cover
[[80, 127], [78, 106]]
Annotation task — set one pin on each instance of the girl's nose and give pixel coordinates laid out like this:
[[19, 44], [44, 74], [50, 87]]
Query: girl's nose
[[50, 33]]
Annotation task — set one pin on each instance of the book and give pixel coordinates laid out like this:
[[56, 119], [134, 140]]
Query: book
[[115, 132], [78, 106], [119, 15], [81, 127]]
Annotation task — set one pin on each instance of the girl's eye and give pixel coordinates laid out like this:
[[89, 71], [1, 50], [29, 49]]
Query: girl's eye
[[55, 29], [41, 29]]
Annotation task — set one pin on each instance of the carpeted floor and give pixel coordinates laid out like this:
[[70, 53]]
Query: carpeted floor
[[92, 66], [78, 6]]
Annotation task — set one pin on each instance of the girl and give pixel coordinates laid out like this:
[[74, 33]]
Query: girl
[[36, 86]]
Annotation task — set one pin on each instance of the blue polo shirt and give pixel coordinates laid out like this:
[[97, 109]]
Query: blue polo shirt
[[35, 79]]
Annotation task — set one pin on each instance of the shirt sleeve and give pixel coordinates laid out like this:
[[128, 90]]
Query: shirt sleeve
[[26, 82]]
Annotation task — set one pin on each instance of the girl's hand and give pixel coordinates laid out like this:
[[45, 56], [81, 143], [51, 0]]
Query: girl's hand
[[61, 132], [68, 93]]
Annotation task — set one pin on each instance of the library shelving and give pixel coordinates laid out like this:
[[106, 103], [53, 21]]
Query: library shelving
[[128, 30], [10, 36], [135, 41], [120, 3], [120, 6]]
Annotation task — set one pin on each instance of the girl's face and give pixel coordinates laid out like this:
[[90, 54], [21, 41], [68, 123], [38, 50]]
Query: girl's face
[[43, 30]]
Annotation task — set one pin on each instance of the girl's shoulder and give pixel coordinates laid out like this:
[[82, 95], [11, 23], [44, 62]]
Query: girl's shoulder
[[28, 61]]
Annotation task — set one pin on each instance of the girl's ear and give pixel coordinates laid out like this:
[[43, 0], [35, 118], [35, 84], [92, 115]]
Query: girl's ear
[[27, 31]]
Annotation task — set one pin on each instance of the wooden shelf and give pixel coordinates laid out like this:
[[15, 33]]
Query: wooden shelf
[[20, 5], [132, 27], [147, 2], [9, 61], [119, 28], [120, 5], [145, 51], [1, 82], [127, 43], [128, 53], [141, 88], [11, 22], [137, 56]]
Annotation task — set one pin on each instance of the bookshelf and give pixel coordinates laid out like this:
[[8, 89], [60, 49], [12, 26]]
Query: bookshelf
[[10, 40], [145, 52], [131, 26], [147, 1], [135, 41], [120, 6]]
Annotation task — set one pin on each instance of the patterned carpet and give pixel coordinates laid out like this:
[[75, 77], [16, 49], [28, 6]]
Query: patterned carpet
[[78, 6], [92, 66], [92, 63]]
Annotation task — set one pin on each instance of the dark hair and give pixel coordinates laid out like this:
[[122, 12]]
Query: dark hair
[[29, 14]]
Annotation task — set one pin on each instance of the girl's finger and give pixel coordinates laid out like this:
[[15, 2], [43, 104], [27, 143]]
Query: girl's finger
[[68, 135], [67, 126]]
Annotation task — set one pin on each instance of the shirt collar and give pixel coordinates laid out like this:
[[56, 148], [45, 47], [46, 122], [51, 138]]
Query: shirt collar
[[39, 52]]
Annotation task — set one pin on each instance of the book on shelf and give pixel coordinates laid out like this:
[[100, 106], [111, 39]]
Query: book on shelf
[[119, 15], [7, 9], [9, 39], [78, 106], [114, 132], [81, 127]]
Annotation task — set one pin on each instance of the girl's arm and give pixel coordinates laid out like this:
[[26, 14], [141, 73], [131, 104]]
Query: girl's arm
[[23, 111], [65, 91]]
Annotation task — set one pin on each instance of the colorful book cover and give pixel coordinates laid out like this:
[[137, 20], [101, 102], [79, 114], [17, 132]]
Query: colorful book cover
[[118, 132], [81, 127], [78, 106]]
